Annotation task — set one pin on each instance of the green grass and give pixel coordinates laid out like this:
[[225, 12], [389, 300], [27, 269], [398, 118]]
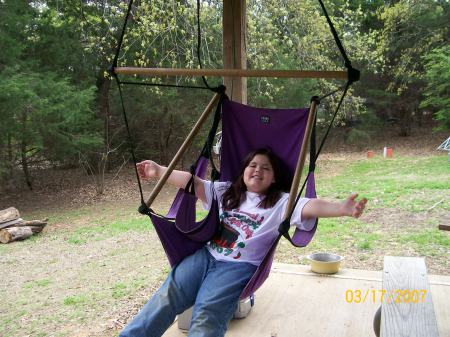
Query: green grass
[[77, 300], [103, 231], [426, 241], [128, 288], [367, 241], [409, 183], [3, 249], [37, 283], [337, 234], [408, 197], [119, 290]]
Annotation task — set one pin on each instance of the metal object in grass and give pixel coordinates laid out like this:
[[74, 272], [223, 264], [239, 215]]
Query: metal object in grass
[[445, 146]]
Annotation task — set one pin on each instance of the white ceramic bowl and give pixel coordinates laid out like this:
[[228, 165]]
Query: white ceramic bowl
[[325, 263]]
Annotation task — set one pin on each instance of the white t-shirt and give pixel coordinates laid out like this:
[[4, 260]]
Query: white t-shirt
[[248, 231]]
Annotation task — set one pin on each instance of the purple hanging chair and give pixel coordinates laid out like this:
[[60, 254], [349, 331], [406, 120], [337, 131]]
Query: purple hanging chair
[[244, 129]]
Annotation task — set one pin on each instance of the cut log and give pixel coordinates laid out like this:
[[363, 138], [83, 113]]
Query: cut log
[[11, 223], [9, 214], [41, 223], [23, 223], [36, 229], [14, 234]]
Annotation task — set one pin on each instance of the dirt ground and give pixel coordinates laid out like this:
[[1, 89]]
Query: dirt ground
[[107, 260]]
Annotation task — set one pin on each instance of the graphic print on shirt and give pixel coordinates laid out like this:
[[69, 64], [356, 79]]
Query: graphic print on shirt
[[236, 227]]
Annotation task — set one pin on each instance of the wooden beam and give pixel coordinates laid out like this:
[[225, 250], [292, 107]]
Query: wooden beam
[[234, 51], [339, 75]]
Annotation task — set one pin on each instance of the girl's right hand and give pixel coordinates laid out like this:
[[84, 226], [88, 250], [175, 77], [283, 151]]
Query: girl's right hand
[[148, 169]]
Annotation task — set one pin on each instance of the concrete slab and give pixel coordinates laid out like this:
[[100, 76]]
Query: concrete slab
[[297, 302]]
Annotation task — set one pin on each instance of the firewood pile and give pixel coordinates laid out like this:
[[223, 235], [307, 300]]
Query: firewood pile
[[14, 228]]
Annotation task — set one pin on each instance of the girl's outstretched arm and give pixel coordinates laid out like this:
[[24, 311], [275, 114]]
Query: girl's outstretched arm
[[318, 208], [148, 169]]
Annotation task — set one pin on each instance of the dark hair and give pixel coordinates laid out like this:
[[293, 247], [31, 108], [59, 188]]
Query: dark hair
[[235, 194]]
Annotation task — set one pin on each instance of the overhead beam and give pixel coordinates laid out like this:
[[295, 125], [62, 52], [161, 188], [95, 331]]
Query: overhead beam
[[234, 49], [161, 72]]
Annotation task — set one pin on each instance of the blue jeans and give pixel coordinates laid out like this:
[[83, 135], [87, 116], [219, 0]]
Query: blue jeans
[[212, 287]]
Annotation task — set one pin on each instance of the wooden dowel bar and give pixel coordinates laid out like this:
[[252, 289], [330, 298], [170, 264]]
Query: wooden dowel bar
[[341, 75], [183, 149], [301, 159]]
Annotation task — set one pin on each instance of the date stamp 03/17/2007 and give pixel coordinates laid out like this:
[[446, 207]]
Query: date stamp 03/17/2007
[[382, 296]]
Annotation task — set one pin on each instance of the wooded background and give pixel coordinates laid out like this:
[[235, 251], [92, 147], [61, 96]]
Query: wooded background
[[59, 107]]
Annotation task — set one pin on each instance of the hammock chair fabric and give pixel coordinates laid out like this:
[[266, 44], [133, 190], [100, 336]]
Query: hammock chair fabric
[[244, 129]]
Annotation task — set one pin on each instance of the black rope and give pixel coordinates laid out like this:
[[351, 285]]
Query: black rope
[[199, 44], [348, 64], [312, 142], [122, 34], [330, 93], [353, 74], [334, 117], [130, 140]]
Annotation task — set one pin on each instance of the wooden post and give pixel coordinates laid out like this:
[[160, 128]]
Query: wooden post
[[301, 158], [234, 52]]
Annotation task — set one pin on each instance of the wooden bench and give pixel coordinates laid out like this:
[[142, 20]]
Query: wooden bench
[[407, 307]]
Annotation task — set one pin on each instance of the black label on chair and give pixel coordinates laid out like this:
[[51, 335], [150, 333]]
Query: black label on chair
[[265, 119]]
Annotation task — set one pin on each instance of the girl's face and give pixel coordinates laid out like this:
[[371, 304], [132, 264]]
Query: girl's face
[[259, 175]]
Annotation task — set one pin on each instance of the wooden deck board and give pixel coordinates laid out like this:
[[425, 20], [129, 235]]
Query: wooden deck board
[[400, 318]]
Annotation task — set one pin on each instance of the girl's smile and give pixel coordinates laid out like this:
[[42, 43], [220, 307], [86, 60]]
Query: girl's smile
[[259, 175]]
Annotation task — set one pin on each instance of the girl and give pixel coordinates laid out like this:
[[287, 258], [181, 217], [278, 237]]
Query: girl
[[212, 279]]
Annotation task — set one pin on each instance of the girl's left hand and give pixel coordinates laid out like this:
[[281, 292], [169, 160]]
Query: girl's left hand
[[354, 208]]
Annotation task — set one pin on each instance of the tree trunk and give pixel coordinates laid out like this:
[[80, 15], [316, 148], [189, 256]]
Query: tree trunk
[[14, 234], [23, 152], [9, 214], [10, 164], [169, 132], [405, 122], [103, 85]]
